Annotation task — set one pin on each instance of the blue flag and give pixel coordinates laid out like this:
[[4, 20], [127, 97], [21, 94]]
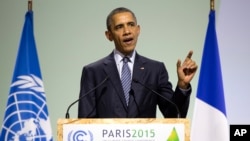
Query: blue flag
[[209, 121], [26, 115]]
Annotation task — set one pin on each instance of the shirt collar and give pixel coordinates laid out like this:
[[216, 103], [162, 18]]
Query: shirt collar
[[119, 56]]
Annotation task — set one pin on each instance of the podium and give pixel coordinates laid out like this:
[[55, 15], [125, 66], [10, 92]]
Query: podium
[[123, 129]]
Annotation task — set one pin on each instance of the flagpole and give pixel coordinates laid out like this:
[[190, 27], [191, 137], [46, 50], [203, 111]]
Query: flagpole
[[30, 5], [211, 4]]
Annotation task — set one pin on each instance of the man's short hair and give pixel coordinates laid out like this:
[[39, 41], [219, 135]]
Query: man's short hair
[[115, 11]]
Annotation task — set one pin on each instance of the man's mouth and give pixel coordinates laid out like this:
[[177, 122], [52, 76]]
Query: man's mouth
[[128, 40]]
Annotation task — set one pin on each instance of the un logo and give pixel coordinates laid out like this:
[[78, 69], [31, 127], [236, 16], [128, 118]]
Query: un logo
[[80, 135], [26, 116]]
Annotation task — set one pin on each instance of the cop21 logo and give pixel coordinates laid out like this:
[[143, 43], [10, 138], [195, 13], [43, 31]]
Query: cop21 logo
[[26, 113], [80, 135]]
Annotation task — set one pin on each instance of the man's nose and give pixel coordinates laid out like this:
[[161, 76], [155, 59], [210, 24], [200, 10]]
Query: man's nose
[[126, 30]]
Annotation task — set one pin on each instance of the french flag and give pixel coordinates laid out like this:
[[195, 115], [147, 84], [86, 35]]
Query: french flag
[[209, 121]]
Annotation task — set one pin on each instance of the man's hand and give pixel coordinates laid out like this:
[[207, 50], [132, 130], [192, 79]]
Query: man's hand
[[186, 71]]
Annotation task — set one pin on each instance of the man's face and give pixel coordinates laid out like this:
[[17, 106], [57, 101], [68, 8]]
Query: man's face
[[124, 31]]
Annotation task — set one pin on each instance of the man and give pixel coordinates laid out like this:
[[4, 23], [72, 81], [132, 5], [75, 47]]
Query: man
[[103, 92]]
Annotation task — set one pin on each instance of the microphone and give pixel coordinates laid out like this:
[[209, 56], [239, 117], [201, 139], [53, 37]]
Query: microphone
[[169, 101], [87, 93]]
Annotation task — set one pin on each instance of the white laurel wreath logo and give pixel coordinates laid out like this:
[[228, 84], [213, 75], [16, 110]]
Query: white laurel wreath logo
[[29, 81]]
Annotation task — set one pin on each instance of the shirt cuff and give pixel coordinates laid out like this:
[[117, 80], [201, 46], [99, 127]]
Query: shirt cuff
[[185, 91]]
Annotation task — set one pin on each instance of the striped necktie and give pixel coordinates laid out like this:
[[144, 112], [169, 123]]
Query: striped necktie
[[126, 78]]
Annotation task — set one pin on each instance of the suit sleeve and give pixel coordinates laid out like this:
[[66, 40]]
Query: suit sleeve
[[177, 96]]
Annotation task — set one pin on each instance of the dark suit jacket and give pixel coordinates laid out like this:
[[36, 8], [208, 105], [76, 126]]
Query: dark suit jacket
[[108, 100]]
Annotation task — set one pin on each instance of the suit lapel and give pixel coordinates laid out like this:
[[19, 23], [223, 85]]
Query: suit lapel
[[138, 74], [139, 69], [111, 69]]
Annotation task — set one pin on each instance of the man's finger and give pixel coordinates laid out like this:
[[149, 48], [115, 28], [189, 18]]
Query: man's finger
[[190, 54]]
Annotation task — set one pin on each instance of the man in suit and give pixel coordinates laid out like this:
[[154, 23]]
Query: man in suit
[[148, 82]]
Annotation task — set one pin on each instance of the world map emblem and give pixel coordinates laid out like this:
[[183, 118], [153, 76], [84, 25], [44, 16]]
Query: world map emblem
[[27, 116]]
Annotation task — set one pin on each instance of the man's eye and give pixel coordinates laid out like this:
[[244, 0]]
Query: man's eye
[[132, 24], [118, 27]]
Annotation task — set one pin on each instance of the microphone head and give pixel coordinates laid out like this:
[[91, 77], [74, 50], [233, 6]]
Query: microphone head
[[135, 80]]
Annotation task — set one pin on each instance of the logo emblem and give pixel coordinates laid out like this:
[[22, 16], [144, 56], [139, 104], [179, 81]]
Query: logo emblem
[[80, 135], [26, 113]]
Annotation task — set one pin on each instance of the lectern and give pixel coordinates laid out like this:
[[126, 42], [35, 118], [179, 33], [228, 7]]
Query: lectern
[[123, 129]]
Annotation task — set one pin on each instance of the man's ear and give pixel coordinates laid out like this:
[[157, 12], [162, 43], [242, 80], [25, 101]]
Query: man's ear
[[139, 29], [108, 35]]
